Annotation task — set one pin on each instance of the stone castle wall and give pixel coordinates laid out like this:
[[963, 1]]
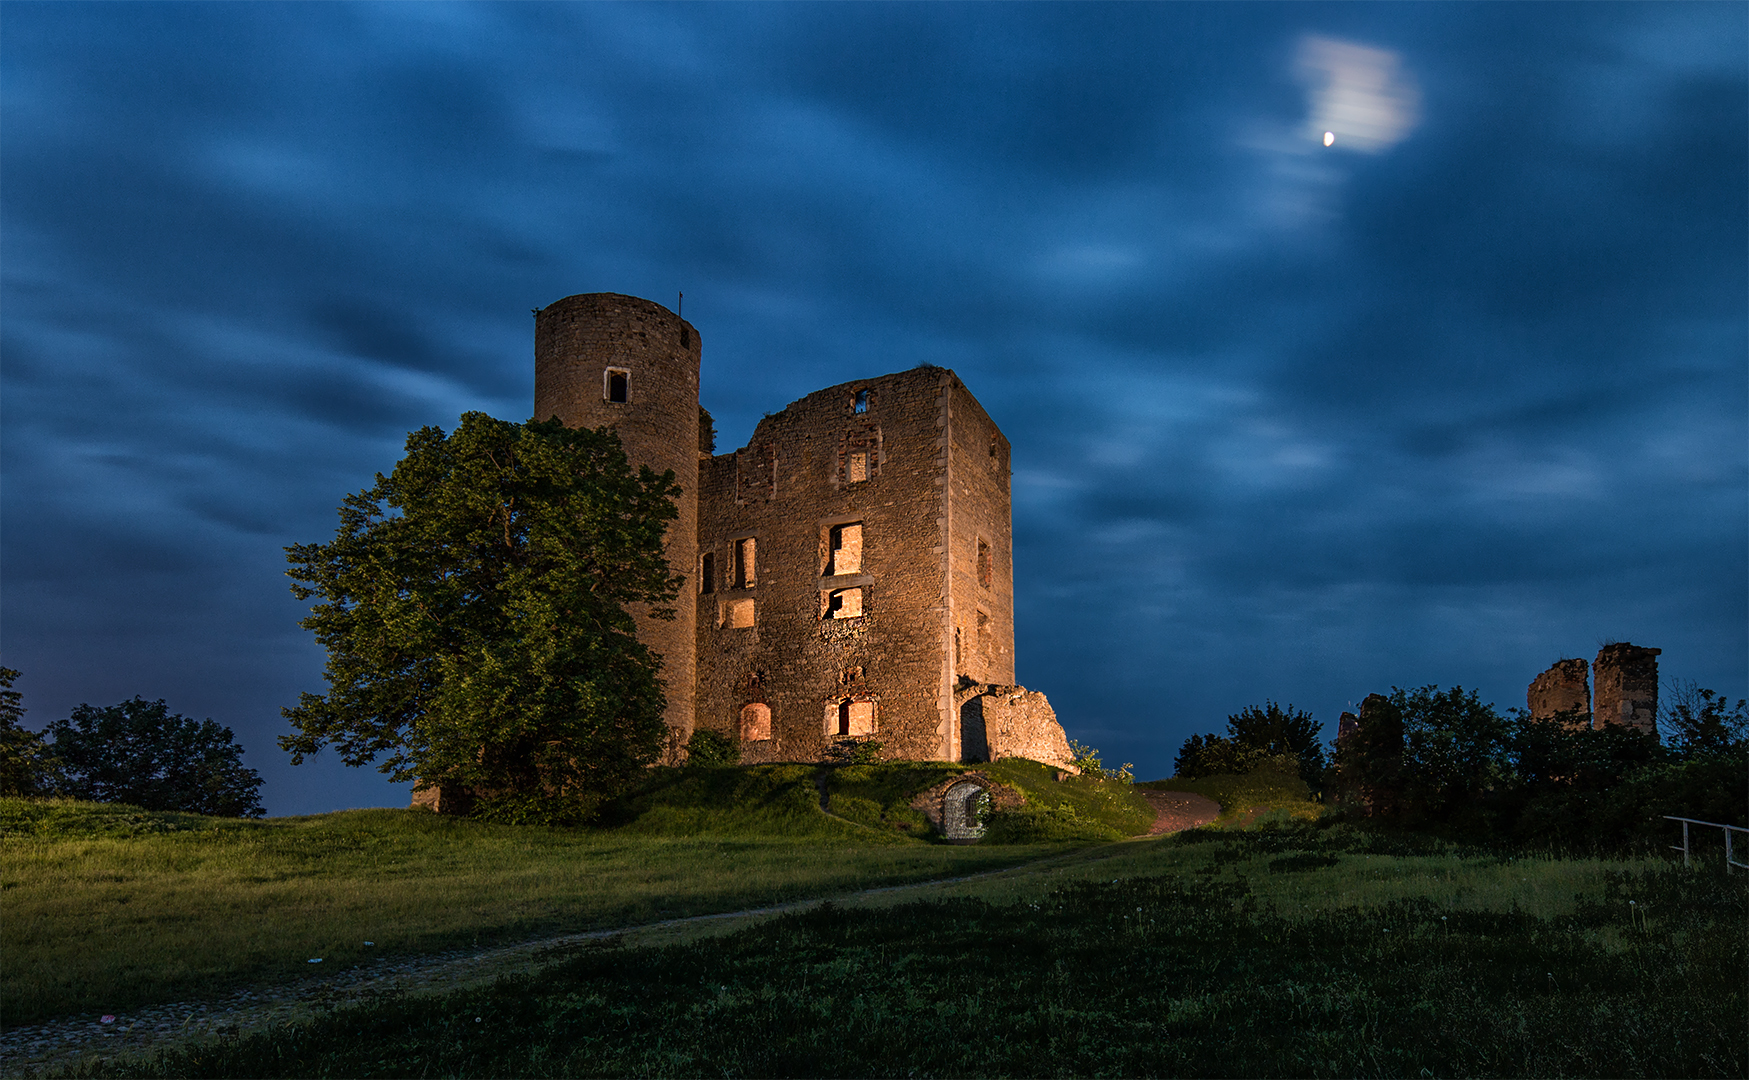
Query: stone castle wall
[[1011, 722], [1625, 690], [845, 571], [1627, 686], [842, 630], [578, 343], [1563, 688]]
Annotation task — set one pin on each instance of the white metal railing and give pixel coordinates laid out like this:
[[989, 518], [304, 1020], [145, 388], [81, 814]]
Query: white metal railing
[[1729, 829]]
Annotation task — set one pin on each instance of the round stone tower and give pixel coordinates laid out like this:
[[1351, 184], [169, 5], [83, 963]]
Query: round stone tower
[[606, 360]]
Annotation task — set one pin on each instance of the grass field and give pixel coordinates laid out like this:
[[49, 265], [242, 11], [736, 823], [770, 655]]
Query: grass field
[[108, 907], [1300, 951]]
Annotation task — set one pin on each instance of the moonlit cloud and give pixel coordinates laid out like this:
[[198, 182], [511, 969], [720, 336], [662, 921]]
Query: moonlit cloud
[[1360, 98]]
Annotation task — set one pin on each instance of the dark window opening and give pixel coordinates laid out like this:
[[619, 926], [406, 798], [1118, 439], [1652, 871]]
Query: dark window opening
[[745, 563], [861, 404], [983, 564], [844, 718], [616, 386], [707, 573]]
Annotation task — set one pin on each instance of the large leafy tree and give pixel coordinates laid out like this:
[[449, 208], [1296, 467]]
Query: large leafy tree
[[27, 766], [140, 752], [1253, 737], [475, 609]]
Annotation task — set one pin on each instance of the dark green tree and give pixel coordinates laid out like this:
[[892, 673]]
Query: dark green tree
[[474, 608], [1254, 736], [28, 767], [1453, 751], [1369, 761], [140, 752], [1703, 723]]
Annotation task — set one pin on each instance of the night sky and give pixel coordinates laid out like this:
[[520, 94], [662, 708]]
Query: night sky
[[1460, 394]]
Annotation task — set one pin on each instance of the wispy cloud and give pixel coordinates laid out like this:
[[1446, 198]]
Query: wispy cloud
[[1359, 98]]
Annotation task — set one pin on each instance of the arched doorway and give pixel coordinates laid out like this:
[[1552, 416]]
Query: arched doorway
[[962, 810]]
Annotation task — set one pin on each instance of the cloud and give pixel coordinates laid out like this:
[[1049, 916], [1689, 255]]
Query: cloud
[[1361, 95]]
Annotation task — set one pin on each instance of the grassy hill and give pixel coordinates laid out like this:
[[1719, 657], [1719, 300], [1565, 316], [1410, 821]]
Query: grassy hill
[[108, 907]]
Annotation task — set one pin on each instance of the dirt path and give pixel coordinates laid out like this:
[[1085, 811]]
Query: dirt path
[[34, 1049], [1175, 811]]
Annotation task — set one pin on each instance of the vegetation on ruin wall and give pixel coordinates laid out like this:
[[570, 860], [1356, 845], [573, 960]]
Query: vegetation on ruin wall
[[109, 906], [1305, 951]]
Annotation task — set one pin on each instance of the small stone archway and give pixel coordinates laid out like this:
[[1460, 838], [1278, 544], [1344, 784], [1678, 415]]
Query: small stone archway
[[962, 809]]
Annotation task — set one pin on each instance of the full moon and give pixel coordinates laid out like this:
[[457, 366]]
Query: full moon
[[1329, 137]]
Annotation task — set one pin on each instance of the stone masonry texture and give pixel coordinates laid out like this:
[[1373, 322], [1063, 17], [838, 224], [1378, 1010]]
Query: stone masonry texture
[[1626, 690], [578, 342], [1563, 688], [850, 569]]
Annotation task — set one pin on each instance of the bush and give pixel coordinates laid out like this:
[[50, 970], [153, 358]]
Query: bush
[[710, 749], [1253, 736], [141, 753], [1087, 760], [1035, 824]]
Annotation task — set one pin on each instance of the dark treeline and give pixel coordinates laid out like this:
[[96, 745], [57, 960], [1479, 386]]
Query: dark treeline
[[1444, 761]]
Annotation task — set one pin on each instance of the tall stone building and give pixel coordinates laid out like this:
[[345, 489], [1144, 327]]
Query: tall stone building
[[848, 573]]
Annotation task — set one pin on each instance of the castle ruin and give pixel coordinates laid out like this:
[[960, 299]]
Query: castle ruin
[[1626, 689], [848, 573]]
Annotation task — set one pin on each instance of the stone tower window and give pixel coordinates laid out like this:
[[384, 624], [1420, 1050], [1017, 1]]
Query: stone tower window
[[860, 405], [845, 544], [616, 385], [707, 573], [755, 722], [849, 719], [984, 563], [859, 454], [746, 563], [739, 614], [843, 604]]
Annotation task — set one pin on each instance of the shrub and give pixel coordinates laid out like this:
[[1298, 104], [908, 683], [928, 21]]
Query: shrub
[[1087, 760], [710, 749], [1254, 735]]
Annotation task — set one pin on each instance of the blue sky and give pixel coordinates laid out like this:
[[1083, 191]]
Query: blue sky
[[1459, 394]]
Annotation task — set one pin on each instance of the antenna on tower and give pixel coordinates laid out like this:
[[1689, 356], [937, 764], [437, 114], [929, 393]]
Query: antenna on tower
[[680, 306]]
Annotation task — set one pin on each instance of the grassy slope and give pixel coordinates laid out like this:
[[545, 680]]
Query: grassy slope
[[108, 907], [1294, 952], [1076, 809], [1267, 795]]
